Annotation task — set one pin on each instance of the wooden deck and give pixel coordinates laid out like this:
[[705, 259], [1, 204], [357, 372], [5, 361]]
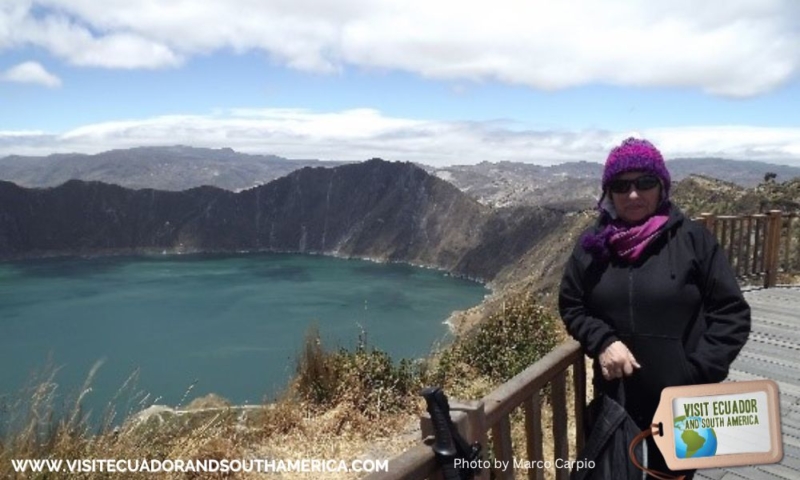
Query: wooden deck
[[773, 352]]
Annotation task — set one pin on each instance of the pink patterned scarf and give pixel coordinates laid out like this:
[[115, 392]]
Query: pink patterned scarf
[[628, 242]]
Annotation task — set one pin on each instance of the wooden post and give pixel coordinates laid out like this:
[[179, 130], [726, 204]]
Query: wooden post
[[732, 241], [503, 450], [740, 255], [758, 247], [579, 385], [558, 400], [709, 221], [772, 246], [787, 243], [533, 435], [722, 237], [748, 269], [793, 256], [476, 429]]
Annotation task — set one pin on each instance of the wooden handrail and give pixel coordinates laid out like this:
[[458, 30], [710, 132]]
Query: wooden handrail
[[524, 390], [511, 394]]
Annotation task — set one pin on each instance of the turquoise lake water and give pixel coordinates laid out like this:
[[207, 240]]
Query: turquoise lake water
[[227, 324]]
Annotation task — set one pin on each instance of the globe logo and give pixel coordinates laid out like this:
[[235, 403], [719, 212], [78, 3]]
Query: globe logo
[[692, 441]]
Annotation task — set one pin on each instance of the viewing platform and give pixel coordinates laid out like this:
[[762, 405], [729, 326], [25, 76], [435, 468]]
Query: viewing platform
[[772, 352]]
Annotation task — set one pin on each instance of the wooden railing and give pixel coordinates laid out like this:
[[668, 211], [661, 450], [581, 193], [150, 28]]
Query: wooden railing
[[490, 417], [758, 246]]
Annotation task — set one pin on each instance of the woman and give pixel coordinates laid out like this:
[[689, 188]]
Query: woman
[[648, 293]]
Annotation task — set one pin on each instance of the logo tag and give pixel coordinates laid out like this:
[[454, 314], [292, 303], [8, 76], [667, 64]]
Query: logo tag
[[720, 425]]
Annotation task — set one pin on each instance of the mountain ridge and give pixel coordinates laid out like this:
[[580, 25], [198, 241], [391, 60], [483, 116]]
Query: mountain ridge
[[499, 184], [576, 185], [389, 211], [176, 168]]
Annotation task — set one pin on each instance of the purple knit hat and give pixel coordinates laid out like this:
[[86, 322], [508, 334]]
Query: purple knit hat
[[636, 155], [630, 156]]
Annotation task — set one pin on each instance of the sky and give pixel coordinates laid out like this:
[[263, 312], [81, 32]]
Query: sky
[[438, 82]]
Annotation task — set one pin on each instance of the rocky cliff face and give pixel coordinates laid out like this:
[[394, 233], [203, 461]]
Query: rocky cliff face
[[377, 209]]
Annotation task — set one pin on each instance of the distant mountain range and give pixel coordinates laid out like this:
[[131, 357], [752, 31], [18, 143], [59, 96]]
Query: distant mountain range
[[577, 184], [573, 185], [570, 185], [163, 168]]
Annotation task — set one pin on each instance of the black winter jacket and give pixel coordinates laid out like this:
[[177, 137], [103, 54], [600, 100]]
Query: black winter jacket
[[678, 308]]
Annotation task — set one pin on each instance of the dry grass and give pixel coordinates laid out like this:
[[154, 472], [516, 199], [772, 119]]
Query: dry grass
[[322, 436], [788, 279], [38, 426], [282, 431]]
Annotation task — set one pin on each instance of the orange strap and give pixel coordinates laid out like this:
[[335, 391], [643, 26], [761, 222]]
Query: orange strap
[[653, 473]]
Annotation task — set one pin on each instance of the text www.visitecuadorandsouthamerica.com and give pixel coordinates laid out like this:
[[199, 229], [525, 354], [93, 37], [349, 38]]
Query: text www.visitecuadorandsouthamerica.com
[[307, 465]]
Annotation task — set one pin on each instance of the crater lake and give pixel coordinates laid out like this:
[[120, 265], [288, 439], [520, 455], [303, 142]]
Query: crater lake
[[228, 324]]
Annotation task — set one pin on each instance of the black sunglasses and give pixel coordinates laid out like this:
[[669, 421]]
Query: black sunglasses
[[645, 182]]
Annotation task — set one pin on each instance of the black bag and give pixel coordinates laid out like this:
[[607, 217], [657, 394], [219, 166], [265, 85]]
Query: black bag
[[611, 431]]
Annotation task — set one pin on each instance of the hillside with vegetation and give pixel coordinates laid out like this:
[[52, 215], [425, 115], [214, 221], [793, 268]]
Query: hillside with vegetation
[[698, 194]]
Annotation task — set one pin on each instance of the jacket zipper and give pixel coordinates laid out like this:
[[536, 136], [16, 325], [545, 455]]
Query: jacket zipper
[[630, 299]]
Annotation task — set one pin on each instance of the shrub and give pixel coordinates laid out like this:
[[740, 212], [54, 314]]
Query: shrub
[[317, 376], [364, 379], [508, 342]]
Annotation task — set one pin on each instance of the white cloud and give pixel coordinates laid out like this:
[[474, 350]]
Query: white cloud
[[31, 72], [64, 38], [364, 133], [735, 48]]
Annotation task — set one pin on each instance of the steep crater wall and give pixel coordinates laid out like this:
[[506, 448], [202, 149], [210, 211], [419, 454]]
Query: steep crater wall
[[375, 209]]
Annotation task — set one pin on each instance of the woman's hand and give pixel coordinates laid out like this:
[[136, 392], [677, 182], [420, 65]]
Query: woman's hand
[[616, 360]]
